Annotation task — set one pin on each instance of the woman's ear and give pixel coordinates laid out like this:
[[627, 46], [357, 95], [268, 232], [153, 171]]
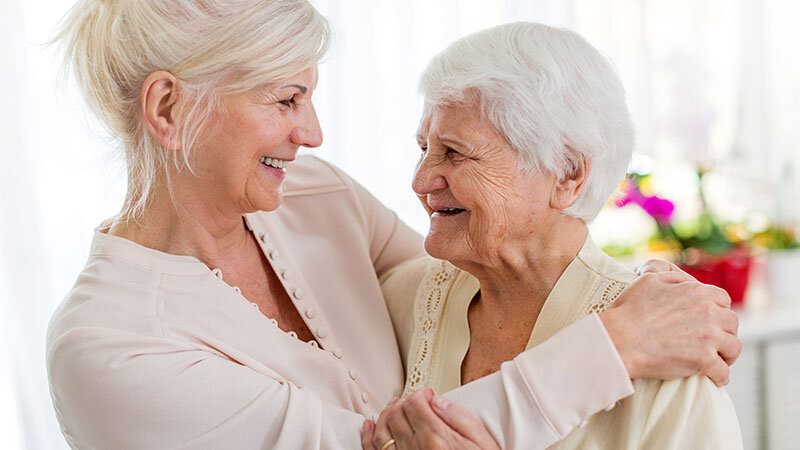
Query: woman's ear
[[568, 188], [160, 99]]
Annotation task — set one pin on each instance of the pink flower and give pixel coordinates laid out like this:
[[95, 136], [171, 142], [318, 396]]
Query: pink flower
[[658, 208]]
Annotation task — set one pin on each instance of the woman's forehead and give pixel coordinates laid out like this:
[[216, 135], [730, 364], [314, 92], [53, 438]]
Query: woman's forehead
[[455, 122]]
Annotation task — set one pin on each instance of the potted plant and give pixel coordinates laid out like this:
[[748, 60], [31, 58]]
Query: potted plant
[[703, 247]]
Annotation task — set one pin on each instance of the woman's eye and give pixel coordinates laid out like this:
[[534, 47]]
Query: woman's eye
[[289, 102], [452, 153]]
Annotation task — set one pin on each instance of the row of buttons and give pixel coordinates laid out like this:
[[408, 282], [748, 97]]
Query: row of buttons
[[297, 293]]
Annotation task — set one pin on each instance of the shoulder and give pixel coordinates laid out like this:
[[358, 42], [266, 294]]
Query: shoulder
[[687, 411], [124, 289], [408, 272], [691, 394], [400, 284], [110, 292], [607, 277], [311, 175], [604, 266], [315, 184], [408, 276]]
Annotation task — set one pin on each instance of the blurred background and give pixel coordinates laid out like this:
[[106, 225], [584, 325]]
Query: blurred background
[[713, 87]]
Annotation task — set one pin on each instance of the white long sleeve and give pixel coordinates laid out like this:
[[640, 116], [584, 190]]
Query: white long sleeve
[[545, 392]]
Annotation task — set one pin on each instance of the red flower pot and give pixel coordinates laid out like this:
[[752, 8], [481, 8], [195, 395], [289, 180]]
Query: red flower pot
[[730, 271]]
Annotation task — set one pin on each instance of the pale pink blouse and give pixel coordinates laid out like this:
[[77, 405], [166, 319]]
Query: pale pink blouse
[[153, 350]]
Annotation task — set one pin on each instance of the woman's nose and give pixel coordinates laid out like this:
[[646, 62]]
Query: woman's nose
[[427, 178], [308, 133]]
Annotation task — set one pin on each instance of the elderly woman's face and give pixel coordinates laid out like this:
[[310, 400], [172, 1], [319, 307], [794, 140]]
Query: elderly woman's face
[[258, 134], [475, 188]]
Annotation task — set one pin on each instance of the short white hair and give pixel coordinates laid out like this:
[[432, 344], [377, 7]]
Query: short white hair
[[552, 95], [213, 47]]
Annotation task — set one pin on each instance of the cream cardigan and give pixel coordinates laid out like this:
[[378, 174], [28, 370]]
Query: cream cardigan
[[679, 414], [152, 350]]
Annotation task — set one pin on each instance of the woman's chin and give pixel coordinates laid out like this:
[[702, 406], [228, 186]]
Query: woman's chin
[[438, 247], [268, 201]]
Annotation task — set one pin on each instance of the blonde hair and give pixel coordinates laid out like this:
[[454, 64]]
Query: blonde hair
[[552, 95], [213, 48]]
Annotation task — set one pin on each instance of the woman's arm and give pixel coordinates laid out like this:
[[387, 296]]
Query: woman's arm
[[390, 240], [539, 397], [119, 390]]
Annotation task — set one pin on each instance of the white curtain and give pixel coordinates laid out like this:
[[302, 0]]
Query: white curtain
[[711, 81]]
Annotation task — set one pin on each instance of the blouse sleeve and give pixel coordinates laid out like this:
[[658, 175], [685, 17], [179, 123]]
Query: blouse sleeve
[[154, 393], [391, 241], [538, 398]]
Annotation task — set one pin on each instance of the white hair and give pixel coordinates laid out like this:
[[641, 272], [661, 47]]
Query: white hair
[[213, 47], [552, 95]]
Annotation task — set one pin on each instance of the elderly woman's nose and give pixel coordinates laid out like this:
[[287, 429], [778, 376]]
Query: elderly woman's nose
[[427, 179], [308, 133]]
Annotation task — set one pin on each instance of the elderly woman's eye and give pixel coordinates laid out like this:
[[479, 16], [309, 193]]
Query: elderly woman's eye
[[288, 102]]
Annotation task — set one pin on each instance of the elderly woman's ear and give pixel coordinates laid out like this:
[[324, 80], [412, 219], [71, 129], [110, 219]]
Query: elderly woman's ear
[[160, 98], [569, 186]]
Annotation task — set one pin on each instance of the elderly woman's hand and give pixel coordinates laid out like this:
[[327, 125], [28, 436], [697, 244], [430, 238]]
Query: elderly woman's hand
[[659, 265], [666, 325], [425, 421]]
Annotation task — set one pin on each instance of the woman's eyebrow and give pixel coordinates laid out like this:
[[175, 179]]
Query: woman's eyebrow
[[302, 88], [451, 141]]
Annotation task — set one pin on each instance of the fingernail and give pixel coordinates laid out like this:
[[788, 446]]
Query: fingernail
[[441, 403], [364, 426]]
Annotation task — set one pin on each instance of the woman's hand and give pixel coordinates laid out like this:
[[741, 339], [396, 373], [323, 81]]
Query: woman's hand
[[666, 325], [659, 265], [425, 421]]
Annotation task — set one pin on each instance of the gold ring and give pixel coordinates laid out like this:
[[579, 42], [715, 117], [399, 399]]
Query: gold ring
[[388, 444]]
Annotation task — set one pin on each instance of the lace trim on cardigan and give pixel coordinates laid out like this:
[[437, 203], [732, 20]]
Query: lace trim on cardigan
[[428, 308], [607, 292]]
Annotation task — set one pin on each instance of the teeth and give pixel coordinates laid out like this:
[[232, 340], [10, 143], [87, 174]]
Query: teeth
[[274, 162]]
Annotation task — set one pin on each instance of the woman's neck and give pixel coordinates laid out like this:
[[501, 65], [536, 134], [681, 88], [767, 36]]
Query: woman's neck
[[186, 226], [522, 274]]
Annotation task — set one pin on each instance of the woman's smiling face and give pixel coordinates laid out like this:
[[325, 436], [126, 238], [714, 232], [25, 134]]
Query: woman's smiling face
[[242, 163], [478, 193]]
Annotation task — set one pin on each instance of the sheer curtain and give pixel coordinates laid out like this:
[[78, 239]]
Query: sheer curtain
[[711, 81]]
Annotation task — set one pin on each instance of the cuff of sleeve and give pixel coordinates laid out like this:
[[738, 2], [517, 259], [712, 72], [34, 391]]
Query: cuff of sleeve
[[575, 374]]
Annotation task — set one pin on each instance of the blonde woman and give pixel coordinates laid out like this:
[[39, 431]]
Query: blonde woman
[[234, 301]]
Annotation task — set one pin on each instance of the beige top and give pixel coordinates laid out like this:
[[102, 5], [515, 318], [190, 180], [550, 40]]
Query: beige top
[[679, 414], [151, 350]]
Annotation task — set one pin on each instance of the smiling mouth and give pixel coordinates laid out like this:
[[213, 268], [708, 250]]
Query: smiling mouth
[[276, 163], [449, 211]]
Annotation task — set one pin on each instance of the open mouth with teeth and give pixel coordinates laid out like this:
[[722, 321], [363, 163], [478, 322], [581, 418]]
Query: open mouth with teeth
[[275, 163], [449, 211]]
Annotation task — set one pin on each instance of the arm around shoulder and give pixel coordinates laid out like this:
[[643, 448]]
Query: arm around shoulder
[[537, 399]]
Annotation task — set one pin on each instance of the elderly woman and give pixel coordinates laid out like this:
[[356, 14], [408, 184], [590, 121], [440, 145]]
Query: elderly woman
[[524, 136], [234, 302]]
